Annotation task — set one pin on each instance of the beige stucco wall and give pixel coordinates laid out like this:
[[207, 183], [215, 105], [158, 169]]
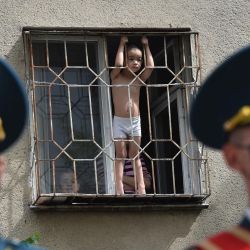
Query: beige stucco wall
[[224, 26]]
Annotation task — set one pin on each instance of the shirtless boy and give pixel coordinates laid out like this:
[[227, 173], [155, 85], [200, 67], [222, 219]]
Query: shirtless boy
[[126, 95]]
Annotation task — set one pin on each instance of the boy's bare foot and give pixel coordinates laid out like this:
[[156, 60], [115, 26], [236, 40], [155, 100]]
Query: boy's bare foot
[[141, 190], [119, 189]]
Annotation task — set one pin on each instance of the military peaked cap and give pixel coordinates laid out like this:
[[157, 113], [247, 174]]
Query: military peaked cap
[[13, 105], [223, 100]]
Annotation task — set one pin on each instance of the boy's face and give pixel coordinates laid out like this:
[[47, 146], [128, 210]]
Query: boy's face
[[134, 59]]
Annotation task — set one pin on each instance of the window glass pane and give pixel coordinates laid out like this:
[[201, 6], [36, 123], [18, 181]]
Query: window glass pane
[[76, 54], [83, 150], [45, 176], [44, 76], [92, 55], [87, 177], [39, 53], [56, 54], [81, 76], [60, 114], [169, 171], [42, 113]]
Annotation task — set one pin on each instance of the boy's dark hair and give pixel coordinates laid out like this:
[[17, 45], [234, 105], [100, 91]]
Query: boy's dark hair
[[133, 46]]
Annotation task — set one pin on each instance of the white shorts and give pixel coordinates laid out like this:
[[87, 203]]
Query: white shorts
[[124, 127]]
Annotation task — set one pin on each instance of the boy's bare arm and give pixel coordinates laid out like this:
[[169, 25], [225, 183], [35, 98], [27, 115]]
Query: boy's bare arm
[[149, 63], [119, 60]]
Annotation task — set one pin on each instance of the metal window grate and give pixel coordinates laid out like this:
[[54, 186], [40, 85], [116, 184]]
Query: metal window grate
[[72, 132]]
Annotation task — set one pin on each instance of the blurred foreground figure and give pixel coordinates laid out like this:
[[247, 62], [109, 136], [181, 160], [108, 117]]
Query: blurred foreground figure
[[220, 118], [13, 114]]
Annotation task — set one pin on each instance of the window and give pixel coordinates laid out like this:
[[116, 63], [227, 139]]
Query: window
[[73, 154]]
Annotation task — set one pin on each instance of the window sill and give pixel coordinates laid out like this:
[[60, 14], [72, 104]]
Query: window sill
[[119, 203]]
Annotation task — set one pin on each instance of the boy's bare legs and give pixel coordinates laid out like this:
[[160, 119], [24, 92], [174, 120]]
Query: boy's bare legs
[[120, 150], [139, 177], [118, 177], [133, 151]]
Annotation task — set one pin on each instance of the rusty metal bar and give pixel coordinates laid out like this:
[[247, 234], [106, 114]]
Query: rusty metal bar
[[75, 177], [173, 175], [54, 176], [169, 114], [153, 176], [176, 76]]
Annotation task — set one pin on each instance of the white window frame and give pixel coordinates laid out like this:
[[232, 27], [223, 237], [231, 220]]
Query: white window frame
[[105, 114]]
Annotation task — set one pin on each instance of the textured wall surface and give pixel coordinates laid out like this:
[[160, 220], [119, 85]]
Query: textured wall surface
[[223, 26]]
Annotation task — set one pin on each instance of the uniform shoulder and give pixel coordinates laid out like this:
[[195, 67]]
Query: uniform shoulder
[[236, 236], [15, 245]]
